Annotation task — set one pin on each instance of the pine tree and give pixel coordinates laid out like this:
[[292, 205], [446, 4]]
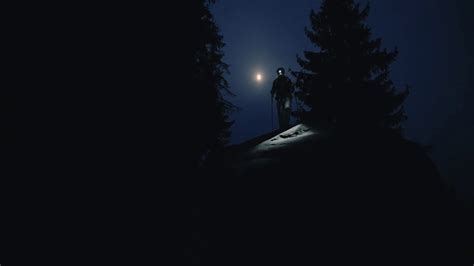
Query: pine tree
[[208, 109], [347, 80]]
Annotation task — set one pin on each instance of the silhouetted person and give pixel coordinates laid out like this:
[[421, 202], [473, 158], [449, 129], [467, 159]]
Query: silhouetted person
[[282, 91]]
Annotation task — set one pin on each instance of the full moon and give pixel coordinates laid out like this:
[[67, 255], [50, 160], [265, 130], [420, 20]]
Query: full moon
[[258, 77]]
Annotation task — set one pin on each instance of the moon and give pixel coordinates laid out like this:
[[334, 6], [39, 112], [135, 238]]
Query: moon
[[258, 77]]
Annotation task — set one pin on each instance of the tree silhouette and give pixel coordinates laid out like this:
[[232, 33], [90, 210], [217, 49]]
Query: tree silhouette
[[346, 80], [208, 111], [205, 127]]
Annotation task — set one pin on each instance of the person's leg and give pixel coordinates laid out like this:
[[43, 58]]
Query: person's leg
[[287, 112], [280, 107], [286, 117]]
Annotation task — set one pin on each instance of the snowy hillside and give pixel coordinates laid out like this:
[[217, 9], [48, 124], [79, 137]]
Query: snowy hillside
[[272, 148], [296, 135]]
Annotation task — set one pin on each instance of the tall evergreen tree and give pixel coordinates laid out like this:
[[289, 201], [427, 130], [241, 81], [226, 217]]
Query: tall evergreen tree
[[346, 81], [208, 109]]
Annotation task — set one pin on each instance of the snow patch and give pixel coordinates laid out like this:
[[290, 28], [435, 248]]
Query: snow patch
[[296, 134]]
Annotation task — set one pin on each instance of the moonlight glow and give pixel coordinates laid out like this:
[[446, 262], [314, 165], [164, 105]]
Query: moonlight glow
[[258, 77]]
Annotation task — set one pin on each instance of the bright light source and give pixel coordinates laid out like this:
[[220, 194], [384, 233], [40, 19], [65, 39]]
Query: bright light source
[[259, 77]]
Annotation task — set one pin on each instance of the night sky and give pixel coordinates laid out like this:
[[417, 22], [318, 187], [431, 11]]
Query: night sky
[[435, 60]]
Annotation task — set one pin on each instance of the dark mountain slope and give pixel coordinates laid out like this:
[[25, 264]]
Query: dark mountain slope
[[306, 195]]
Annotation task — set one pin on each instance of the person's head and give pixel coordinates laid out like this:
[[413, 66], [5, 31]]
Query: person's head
[[280, 71]]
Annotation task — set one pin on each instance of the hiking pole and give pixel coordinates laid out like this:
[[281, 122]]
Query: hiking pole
[[271, 109]]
